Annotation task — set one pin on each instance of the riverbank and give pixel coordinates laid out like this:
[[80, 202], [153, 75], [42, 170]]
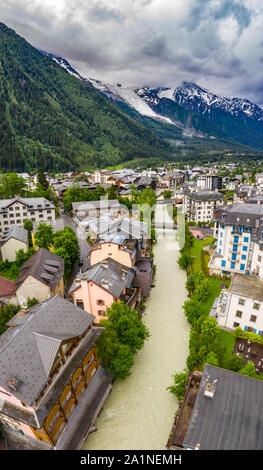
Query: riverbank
[[140, 411]]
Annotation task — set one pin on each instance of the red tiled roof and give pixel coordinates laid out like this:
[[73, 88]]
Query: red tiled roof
[[6, 287]]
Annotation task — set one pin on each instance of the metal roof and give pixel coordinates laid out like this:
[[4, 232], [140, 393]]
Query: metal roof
[[230, 420]]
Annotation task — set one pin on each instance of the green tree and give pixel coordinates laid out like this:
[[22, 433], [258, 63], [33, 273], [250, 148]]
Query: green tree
[[124, 335], [180, 381], [121, 364], [185, 260], [28, 225], [12, 185], [111, 192], [212, 359], [235, 363], [209, 327], [42, 181], [107, 346], [44, 236], [7, 312], [128, 325], [193, 310], [202, 290], [66, 245], [167, 194], [22, 256], [249, 369], [31, 302]]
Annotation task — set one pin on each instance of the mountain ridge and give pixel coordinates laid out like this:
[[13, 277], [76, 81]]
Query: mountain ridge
[[193, 110]]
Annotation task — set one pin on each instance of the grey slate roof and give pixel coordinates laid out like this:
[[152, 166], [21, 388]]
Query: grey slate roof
[[245, 215], [57, 224], [17, 232], [116, 275], [125, 227], [101, 204], [29, 350], [44, 266], [233, 418], [32, 203], [204, 195]]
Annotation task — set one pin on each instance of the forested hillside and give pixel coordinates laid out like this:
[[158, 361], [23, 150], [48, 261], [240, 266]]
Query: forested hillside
[[50, 119]]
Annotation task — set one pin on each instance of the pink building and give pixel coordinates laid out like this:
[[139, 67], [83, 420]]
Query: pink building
[[106, 282]]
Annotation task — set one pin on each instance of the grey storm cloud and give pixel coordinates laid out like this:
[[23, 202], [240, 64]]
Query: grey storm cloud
[[216, 43]]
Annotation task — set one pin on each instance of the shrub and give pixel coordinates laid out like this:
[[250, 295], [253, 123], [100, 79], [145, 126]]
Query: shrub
[[180, 381]]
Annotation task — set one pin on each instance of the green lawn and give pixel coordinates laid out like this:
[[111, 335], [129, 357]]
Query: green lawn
[[196, 251], [228, 341], [214, 284], [11, 273]]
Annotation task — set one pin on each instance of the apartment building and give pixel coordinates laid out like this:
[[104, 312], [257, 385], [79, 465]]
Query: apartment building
[[51, 384], [210, 182], [102, 177], [242, 304], [15, 211], [200, 206], [238, 232]]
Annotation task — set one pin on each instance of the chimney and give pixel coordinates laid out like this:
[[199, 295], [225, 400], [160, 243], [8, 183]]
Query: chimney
[[105, 283], [210, 388], [13, 384], [105, 263]]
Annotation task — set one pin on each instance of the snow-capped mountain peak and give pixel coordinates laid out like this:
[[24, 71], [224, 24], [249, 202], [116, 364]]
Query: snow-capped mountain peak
[[195, 98]]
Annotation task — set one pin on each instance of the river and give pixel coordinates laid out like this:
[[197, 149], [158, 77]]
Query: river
[[139, 412]]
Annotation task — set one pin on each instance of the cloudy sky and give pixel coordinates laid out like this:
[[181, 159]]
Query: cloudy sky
[[215, 43]]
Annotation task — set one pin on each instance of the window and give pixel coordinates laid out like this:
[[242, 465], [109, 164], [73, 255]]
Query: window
[[232, 266], [246, 239], [253, 318], [239, 313], [223, 263], [241, 301], [234, 247], [250, 329], [236, 324], [235, 239], [234, 256], [80, 304], [242, 267], [259, 258], [256, 306], [100, 302], [244, 257], [101, 312], [244, 248]]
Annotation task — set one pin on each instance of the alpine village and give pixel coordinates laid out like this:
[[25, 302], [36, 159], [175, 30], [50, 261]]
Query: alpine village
[[115, 334]]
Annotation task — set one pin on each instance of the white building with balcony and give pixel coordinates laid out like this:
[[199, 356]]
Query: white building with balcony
[[238, 240], [200, 206]]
